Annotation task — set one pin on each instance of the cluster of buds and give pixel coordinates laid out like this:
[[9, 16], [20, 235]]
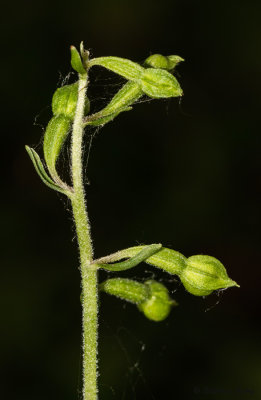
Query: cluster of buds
[[200, 274], [64, 104], [153, 79]]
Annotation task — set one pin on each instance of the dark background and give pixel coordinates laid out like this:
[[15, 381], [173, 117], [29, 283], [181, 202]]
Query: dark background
[[184, 173]]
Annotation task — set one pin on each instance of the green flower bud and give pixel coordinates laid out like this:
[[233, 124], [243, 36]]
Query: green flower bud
[[168, 260], [54, 137], [85, 55], [154, 82], [152, 298], [158, 83], [159, 304], [64, 101], [203, 274], [157, 61], [174, 61], [200, 275], [76, 61], [126, 96], [121, 66], [163, 62]]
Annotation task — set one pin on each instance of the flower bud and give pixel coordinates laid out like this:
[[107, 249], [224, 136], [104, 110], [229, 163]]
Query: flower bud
[[76, 61], [158, 83], [163, 62], [168, 260], [152, 298], [203, 274], [121, 66], [126, 96], [174, 61], [85, 55], [158, 305], [54, 137], [122, 101], [64, 101]]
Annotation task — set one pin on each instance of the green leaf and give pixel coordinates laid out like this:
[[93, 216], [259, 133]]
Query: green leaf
[[169, 260], [76, 61], [142, 255], [96, 120], [41, 171], [56, 132], [121, 66], [158, 83]]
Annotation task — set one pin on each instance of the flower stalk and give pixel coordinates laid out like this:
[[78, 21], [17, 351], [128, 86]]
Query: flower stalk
[[88, 270]]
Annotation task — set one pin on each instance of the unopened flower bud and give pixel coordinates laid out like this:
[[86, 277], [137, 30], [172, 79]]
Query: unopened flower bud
[[122, 101], [174, 61], [159, 304], [163, 62], [64, 101], [203, 274], [54, 137], [152, 298], [76, 61], [121, 66], [158, 83]]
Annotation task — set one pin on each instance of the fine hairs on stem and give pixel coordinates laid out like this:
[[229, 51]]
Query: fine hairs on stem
[[200, 274]]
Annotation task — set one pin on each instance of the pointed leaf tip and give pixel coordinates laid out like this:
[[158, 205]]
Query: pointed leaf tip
[[41, 171]]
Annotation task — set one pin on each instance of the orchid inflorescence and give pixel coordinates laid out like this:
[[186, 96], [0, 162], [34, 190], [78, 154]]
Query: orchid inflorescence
[[199, 274]]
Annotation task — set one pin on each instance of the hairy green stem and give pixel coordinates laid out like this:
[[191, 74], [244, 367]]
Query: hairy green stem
[[88, 270]]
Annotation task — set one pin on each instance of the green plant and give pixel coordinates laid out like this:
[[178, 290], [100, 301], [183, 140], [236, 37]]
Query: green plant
[[200, 274]]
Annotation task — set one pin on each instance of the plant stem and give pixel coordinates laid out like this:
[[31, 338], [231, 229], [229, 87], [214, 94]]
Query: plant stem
[[88, 272]]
